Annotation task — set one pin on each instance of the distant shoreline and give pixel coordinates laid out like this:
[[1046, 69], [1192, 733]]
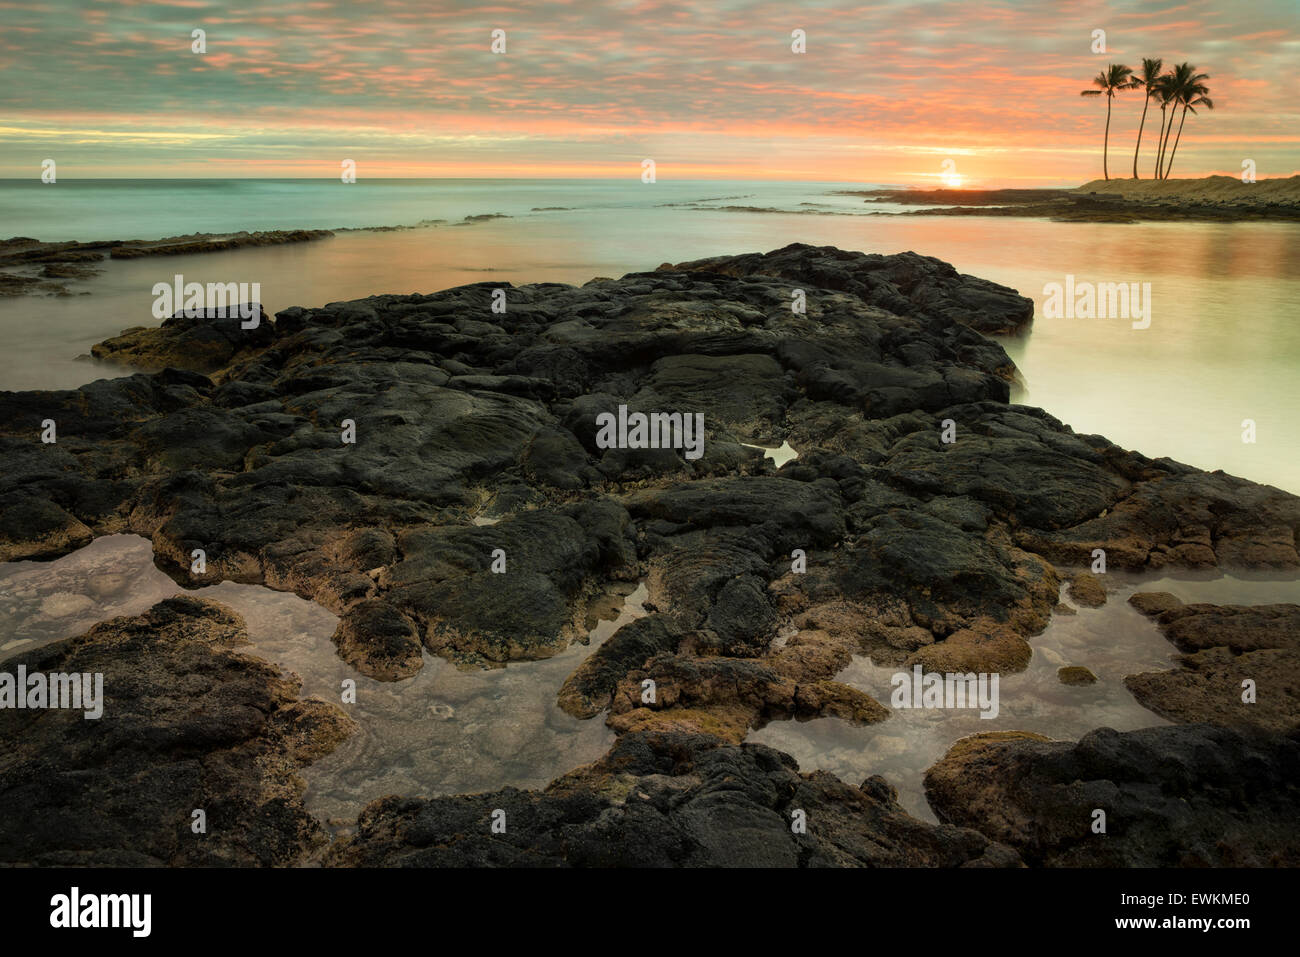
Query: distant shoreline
[[1207, 199], [32, 266]]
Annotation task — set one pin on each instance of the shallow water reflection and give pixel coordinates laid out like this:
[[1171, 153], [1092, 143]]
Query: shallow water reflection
[[443, 731], [1112, 641]]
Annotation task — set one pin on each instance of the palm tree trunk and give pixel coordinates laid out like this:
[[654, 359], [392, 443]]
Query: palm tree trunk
[[1176, 139], [1160, 142], [1169, 135], [1105, 143], [1164, 144], [1138, 148]]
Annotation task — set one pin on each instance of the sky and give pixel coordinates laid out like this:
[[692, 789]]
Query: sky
[[948, 92]]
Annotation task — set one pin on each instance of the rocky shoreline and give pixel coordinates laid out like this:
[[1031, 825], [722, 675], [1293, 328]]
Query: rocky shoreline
[[30, 266], [880, 539], [189, 725]]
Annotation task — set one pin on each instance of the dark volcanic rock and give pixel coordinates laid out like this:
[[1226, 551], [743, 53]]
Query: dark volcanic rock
[[379, 640], [588, 690], [667, 800], [1178, 516], [905, 284], [206, 341], [1226, 647], [188, 723], [1176, 796], [21, 256], [401, 417], [429, 470]]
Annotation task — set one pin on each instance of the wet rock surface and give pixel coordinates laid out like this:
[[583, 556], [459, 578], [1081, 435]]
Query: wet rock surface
[[187, 723], [31, 266], [1087, 590], [1076, 675], [661, 800], [429, 470], [1240, 665], [1177, 796], [200, 341]]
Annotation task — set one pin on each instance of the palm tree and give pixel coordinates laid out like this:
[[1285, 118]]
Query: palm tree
[[1184, 85], [1199, 100], [1110, 81], [1165, 93], [1150, 76]]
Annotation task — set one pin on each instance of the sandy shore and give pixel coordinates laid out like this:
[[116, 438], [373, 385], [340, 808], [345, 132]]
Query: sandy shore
[[1208, 189], [1209, 199]]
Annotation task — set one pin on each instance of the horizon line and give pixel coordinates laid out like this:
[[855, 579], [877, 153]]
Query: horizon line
[[630, 180]]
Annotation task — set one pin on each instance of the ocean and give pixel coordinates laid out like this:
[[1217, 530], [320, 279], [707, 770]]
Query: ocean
[[1222, 348]]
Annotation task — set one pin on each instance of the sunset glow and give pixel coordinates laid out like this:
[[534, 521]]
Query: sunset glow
[[710, 91]]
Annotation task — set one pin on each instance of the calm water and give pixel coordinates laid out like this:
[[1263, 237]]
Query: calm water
[[1112, 641], [99, 209], [1223, 345], [445, 731], [442, 731]]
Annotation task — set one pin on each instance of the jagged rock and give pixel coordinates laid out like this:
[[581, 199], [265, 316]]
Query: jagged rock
[[205, 341], [589, 690], [1226, 646], [188, 723], [379, 641], [1183, 518], [349, 454], [1175, 796], [255, 473], [660, 800], [905, 284]]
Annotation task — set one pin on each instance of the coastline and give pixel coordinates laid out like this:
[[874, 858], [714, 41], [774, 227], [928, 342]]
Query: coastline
[[1208, 199], [950, 556], [36, 267], [29, 266]]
